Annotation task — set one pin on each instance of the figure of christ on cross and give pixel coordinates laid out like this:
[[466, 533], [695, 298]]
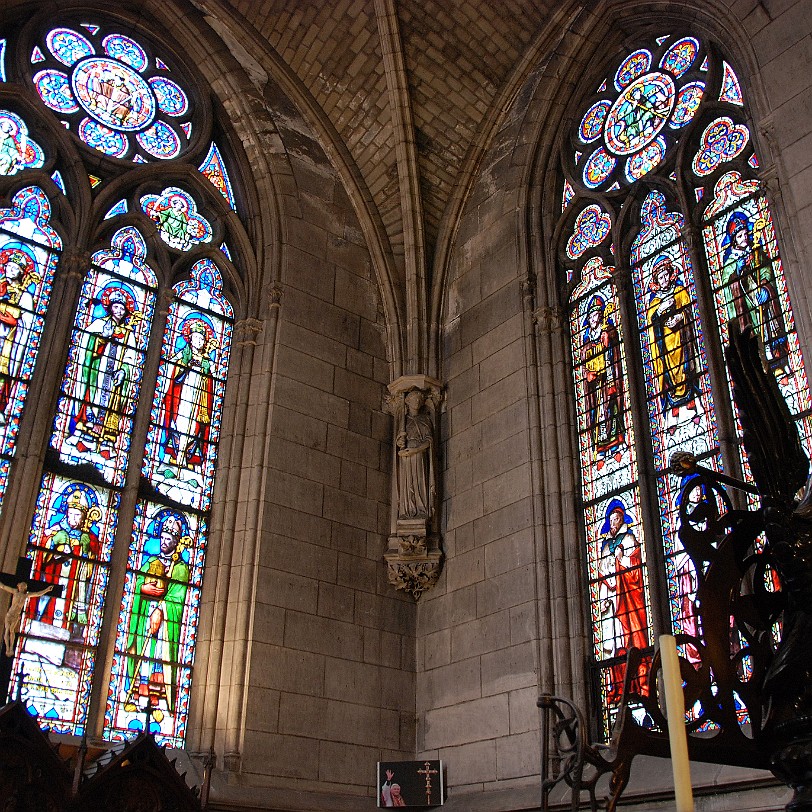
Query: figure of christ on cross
[[428, 772], [22, 588]]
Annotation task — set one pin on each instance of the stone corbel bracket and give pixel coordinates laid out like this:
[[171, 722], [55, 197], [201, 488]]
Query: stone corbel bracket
[[414, 555]]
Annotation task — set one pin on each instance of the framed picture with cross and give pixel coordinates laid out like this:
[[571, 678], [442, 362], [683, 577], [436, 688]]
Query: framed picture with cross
[[410, 784]]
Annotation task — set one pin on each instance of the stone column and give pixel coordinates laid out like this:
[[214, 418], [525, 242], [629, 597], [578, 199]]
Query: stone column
[[414, 555]]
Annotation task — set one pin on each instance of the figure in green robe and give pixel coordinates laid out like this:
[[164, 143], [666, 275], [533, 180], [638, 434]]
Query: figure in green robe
[[154, 625]]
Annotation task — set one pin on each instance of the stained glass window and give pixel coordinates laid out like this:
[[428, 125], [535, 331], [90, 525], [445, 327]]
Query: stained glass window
[[647, 342], [121, 517], [109, 92], [29, 253]]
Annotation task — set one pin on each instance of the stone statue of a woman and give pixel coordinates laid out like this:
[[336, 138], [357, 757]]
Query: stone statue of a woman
[[415, 465]]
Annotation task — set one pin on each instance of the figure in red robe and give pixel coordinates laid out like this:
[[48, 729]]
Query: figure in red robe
[[186, 410], [622, 596]]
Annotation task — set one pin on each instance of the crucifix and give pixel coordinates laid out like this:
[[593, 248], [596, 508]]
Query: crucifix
[[428, 772], [22, 588], [148, 711]]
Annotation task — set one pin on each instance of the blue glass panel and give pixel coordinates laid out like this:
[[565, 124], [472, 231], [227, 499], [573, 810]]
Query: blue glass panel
[[53, 87], [103, 139], [160, 141], [119, 208], [171, 99], [68, 46], [125, 50]]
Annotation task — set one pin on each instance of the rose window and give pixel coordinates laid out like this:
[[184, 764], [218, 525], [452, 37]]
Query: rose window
[[118, 98], [628, 131]]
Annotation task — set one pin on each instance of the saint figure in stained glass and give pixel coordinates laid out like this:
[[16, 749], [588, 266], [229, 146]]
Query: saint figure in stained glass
[[154, 626], [621, 591], [107, 364], [175, 214], [187, 407], [18, 287], [750, 293], [71, 541], [671, 337], [17, 150], [603, 377]]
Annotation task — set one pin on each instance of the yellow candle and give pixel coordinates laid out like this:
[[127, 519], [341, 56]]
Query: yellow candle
[[675, 711]]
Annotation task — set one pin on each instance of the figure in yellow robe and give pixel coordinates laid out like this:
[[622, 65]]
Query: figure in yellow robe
[[671, 338]]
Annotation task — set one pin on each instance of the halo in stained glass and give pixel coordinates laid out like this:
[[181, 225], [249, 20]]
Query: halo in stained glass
[[721, 141], [634, 65], [113, 93], [171, 99], [103, 139], [598, 168], [125, 50], [68, 46], [159, 140], [590, 230], [688, 100], [639, 113], [648, 158], [680, 56], [592, 122], [731, 90], [53, 87], [17, 150]]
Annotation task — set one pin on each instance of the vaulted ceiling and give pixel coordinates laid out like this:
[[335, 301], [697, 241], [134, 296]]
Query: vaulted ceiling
[[407, 85]]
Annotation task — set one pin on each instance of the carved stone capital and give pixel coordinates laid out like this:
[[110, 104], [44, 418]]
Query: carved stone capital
[[413, 573], [75, 263], [246, 331], [232, 762], [548, 319], [274, 294], [396, 391]]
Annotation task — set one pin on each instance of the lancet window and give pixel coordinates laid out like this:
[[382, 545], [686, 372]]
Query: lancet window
[[667, 234], [115, 278]]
